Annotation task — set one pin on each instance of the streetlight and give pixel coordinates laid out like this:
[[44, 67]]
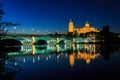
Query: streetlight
[[38, 32], [46, 31], [23, 30], [15, 25], [14, 28], [33, 30]]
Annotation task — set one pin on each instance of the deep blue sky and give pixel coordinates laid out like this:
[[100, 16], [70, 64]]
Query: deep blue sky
[[53, 15]]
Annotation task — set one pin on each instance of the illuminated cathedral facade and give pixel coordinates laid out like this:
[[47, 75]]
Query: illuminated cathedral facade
[[85, 29]]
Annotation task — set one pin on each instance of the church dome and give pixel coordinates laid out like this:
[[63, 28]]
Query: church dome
[[87, 25]]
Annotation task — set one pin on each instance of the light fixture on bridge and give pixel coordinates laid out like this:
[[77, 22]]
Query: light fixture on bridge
[[14, 28], [23, 30], [38, 32]]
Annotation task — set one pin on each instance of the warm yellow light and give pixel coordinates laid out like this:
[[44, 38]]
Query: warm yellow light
[[33, 39], [57, 48], [33, 49], [87, 56], [72, 60], [85, 29]]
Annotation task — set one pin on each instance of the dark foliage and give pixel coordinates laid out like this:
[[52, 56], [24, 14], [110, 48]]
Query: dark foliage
[[9, 42]]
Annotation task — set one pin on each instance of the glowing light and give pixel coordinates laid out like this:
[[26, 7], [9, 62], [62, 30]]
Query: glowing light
[[66, 55], [57, 48], [71, 60], [15, 63], [49, 56], [33, 49], [46, 58], [87, 56], [58, 56], [33, 39], [24, 60], [6, 62], [85, 29], [33, 60], [38, 58]]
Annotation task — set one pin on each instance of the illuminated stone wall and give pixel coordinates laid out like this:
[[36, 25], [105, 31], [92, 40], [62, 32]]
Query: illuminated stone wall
[[85, 29]]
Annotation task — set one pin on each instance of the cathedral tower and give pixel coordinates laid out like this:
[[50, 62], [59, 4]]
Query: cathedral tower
[[71, 26]]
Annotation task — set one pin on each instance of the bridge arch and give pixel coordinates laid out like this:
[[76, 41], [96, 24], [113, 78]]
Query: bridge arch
[[41, 42], [62, 42]]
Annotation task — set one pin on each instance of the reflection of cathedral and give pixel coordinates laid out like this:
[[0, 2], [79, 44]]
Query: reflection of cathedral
[[85, 29], [89, 53], [82, 56]]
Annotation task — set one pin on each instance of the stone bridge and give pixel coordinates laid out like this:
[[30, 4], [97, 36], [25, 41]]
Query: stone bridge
[[49, 39]]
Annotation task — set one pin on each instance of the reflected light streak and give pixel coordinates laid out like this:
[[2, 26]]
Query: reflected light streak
[[15, 63], [87, 56], [38, 58], [33, 60], [24, 60], [33, 49], [71, 60], [57, 48], [46, 58]]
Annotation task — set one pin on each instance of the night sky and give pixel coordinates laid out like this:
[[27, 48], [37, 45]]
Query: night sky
[[54, 15]]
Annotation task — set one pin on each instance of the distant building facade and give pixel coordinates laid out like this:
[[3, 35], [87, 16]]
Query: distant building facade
[[87, 28]]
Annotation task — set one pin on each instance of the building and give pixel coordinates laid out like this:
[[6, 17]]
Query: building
[[85, 29]]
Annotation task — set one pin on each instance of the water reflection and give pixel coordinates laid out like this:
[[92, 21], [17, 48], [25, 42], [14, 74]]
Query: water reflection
[[82, 56], [68, 54], [74, 52], [9, 66]]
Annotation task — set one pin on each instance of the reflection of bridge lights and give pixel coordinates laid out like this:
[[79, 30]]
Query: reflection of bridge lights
[[6, 62], [66, 55], [38, 58], [33, 60], [46, 58], [58, 56], [24, 60], [73, 47], [15, 64], [72, 60], [49, 56], [57, 48], [33, 49]]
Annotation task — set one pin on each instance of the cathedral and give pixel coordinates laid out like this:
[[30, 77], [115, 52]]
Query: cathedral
[[83, 30]]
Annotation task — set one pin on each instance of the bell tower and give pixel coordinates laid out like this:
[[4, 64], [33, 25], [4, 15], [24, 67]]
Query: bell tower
[[70, 26]]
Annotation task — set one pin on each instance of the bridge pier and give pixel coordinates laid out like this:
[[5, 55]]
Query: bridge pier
[[33, 39]]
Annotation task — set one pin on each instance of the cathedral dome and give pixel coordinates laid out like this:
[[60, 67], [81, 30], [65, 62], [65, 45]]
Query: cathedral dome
[[87, 25]]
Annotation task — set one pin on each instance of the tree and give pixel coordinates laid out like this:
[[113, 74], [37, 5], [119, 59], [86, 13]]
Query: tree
[[105, 34], [4, 24]]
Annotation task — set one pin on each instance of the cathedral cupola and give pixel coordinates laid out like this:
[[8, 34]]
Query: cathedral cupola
[[87, 25]]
